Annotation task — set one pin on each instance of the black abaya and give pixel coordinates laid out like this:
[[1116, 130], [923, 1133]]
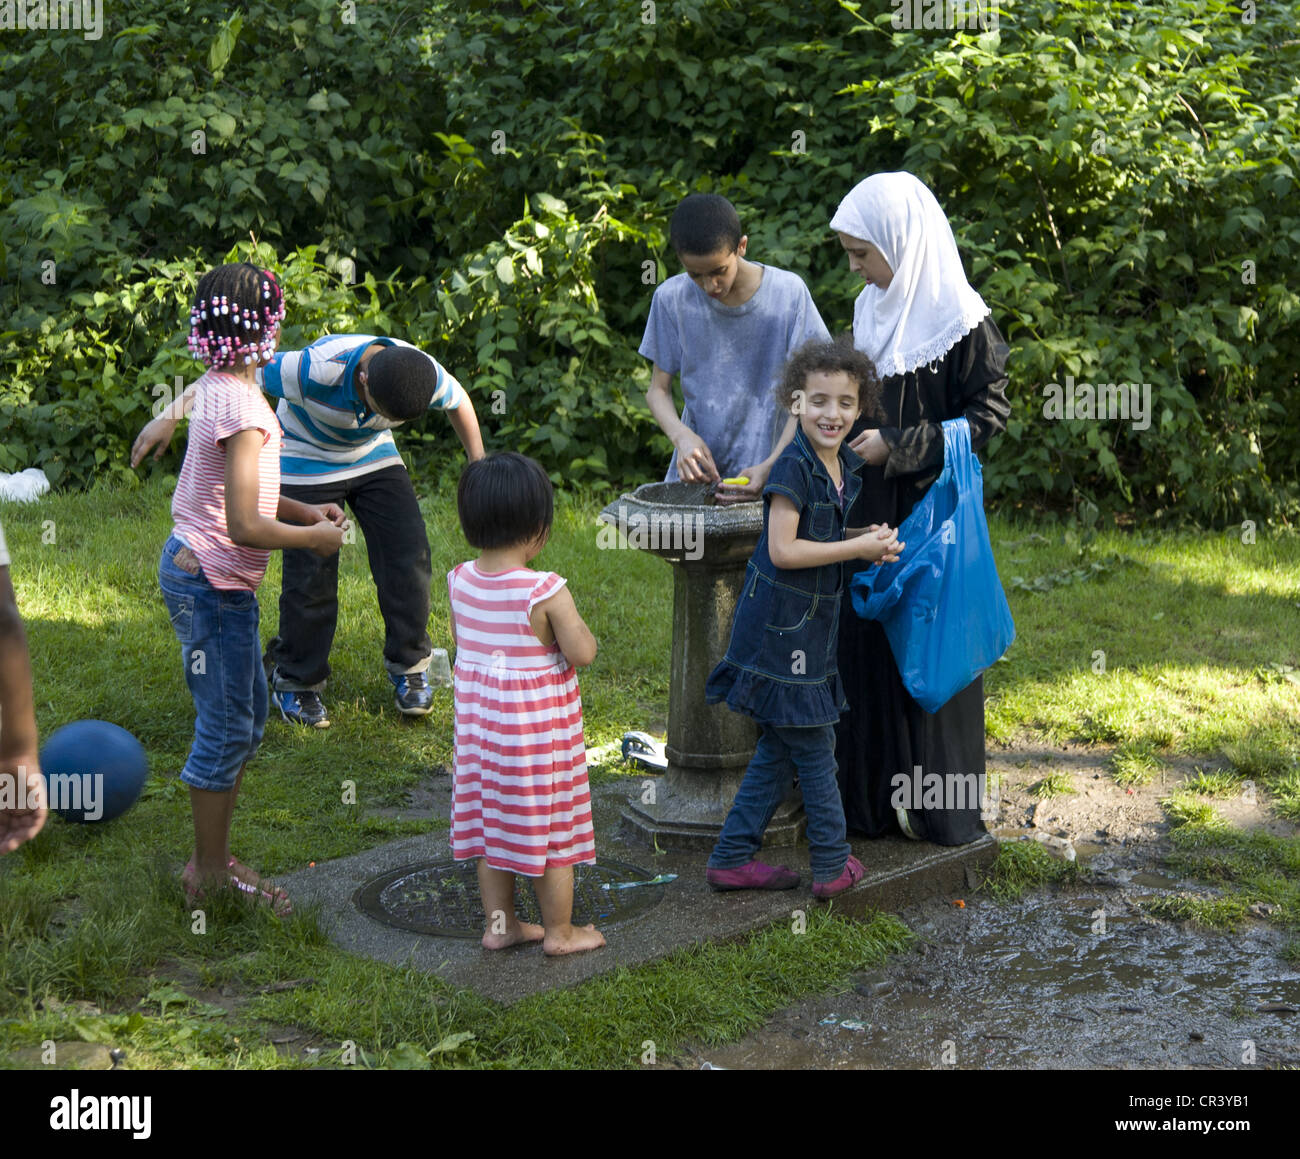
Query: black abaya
[[885, 732]]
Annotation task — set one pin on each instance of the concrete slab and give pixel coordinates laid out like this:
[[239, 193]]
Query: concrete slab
[[900, 873]]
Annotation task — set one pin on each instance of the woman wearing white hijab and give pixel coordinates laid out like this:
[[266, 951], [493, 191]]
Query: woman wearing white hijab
[[940, 357]]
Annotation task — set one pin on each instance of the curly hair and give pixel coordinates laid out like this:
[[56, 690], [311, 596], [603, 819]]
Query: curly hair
[[830, 357], [236, 316]]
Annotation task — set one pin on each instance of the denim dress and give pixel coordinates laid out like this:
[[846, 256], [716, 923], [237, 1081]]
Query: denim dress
[[780, 666]]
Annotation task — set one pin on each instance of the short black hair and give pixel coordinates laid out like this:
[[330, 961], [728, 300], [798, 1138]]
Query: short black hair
[[400, 381], [830, 357], [503, 500], [703, 224]]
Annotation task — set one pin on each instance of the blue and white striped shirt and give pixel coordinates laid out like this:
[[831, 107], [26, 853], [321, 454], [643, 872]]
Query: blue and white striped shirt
[[329, 433]]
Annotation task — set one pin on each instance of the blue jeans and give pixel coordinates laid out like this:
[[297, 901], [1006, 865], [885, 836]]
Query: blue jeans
[[222, 659], [781, 751]]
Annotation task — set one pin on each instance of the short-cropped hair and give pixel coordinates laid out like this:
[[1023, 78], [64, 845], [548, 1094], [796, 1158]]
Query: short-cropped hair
[[503, 500], [400, 381], [703, 224]]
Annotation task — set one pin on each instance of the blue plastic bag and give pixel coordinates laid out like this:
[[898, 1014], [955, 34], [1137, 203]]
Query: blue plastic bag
[[941, 605]]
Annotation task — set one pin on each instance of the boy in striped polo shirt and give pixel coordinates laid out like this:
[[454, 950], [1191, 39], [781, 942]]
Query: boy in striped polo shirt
[[339, 399]]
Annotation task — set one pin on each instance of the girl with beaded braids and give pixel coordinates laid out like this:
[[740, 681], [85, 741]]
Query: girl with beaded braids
[[227, 513]]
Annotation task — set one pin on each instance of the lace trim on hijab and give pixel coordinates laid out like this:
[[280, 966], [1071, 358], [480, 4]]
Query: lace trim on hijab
[[936, 347]]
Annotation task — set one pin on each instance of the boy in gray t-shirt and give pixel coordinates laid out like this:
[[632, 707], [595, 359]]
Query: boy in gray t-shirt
[[727, 326]]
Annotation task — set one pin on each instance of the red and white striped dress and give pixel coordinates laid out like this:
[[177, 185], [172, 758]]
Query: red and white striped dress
[[520, 798]]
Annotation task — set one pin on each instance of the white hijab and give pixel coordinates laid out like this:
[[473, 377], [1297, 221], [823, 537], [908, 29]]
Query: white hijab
[[929, 305]]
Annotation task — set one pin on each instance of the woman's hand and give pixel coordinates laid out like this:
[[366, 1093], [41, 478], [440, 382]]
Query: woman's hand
[[871, 447]]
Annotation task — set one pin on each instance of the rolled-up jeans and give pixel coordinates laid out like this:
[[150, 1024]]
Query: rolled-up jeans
[[221, 655]]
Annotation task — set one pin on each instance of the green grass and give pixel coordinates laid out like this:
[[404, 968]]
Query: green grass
[[1057, 783], [1184, 809], [1022, 866], [1250, 867], [1200, 643], [1218, 784], [705, 993], [1184, 647], [1135, 763], [1216, 913]]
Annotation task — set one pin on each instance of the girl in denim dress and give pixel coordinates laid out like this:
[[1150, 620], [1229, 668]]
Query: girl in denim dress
[[780, 664]]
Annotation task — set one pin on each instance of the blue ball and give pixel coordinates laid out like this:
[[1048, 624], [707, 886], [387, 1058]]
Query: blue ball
[[93, 770]]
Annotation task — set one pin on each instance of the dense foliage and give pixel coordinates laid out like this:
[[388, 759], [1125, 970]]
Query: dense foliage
[[497, 179]]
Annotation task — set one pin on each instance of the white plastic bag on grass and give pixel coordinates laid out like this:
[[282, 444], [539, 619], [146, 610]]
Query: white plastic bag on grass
[[24, 486]]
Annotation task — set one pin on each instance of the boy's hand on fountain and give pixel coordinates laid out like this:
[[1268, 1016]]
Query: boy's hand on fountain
[[695, 460]]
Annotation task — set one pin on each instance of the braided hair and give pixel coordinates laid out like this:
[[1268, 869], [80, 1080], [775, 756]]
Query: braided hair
[[236, 316]]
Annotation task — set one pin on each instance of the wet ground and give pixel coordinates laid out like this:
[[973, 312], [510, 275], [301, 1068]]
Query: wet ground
[[1037, 984], [1072, 977]]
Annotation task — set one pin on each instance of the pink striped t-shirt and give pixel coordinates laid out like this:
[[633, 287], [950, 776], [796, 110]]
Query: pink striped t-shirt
[[223, 406]]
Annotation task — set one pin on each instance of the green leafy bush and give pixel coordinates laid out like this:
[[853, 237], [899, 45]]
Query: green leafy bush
[[493, 181]]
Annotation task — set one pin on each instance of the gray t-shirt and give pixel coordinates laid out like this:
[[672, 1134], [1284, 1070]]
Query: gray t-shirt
[[729, 359]]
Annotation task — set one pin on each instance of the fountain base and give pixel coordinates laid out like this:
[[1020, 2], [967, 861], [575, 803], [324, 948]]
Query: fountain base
[[685, 812]]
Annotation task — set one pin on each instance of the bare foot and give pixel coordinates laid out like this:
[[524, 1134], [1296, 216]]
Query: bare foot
[[572, 940], [515, 933]]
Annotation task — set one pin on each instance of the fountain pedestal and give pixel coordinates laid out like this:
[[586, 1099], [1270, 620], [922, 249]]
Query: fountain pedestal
[[709, 746]]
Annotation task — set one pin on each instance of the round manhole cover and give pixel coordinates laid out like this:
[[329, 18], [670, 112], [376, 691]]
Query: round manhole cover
[[442, 897]]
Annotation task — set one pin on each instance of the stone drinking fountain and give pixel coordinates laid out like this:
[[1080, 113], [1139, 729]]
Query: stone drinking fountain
[[709, 746]]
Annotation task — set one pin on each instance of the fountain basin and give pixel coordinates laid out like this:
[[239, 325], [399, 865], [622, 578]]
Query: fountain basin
[[709, 746]]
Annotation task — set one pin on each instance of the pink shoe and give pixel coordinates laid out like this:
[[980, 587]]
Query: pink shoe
[[755, 875], [853, 873]]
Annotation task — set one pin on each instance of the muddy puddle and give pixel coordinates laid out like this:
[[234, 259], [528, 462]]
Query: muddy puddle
[[1076, 977]]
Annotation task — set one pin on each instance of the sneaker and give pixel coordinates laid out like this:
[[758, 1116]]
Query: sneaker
[[301, 708], [414, 696], [755, 875], [853, 873]]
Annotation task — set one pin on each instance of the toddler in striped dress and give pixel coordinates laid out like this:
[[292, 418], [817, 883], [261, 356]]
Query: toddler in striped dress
[[520, 801]]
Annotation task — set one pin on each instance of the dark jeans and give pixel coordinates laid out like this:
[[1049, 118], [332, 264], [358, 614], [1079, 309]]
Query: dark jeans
[[383, 503], [782, 752]]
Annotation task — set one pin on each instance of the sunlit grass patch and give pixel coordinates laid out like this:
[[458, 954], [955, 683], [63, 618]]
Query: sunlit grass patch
[[1022, 866], [1135, 763], [706, 993], [1055, 784], [1216, 913], [1216, 784], [1183, 809]]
